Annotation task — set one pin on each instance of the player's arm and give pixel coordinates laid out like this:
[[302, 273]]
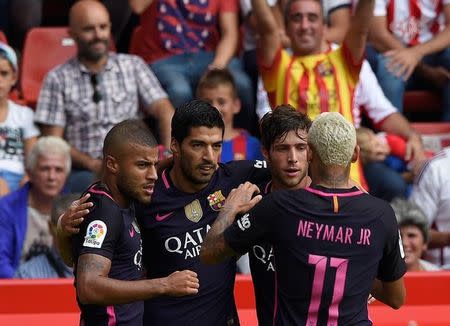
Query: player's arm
[[355, 40], [391, 293], [69, 224], [388, 287], [267, 27], [215, 249], [94, 286]]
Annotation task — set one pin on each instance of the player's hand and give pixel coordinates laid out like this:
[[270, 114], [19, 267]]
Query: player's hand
[[71, 219], [242, 199], [402, 62], [182, 283]]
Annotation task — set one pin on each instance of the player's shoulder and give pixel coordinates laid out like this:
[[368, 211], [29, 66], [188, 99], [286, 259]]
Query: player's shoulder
[[255, 171], [103, 202]]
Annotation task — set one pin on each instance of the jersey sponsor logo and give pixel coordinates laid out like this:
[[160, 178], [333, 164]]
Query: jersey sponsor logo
[[95, 234], [244, 222], [188, 244], [216, 200], [265, 257], [160, 218], [194, 211], [138, 257]]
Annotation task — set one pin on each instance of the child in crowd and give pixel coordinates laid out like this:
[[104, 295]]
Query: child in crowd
[[389, 148], [17, 130], [217, 87]]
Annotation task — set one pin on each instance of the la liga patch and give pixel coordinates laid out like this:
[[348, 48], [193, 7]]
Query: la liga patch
[[95, 234]]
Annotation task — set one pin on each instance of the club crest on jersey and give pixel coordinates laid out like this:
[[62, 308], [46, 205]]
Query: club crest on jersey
[[95, 234], [194, 211], [216, 200]]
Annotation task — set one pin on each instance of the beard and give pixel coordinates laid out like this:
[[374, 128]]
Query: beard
[[86, 51]]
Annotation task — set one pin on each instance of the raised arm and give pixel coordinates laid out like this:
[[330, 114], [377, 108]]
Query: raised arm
[[355, 40], [267, 27], [215, 249], [94, 286], [338, 24], [139, 6]]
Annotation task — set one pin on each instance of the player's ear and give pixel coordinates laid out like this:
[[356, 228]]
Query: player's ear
[[174, 146], [355, 154], [308, 154], [265, 153], [237, 105], [112, 164]]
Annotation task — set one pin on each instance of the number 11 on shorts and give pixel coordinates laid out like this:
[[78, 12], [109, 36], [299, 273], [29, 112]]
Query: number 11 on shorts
[[320, 263]]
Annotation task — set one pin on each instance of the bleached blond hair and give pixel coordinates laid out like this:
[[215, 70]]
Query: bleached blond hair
[[333, 138]]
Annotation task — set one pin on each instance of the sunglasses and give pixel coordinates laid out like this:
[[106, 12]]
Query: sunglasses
[[97, 95]]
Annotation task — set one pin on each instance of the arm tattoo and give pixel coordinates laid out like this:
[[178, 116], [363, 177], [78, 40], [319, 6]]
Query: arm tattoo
[[91, 264], [215, 243]]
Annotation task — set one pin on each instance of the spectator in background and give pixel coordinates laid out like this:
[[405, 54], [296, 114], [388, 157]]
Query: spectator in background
[[368, 97], [181, 40], [25, 213], [414, 231], [49, 263], [218, 88], [411, 51], [85, 97], [249, 45], [17, 17], [431, 192], [17, 130]]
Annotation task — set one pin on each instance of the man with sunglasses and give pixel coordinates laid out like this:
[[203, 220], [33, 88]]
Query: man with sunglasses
[[83, 98]]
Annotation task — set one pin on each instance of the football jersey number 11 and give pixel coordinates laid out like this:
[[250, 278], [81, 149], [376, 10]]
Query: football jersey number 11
[[320, 263]]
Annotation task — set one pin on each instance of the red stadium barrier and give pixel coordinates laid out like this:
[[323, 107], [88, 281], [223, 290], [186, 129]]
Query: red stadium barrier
[[44, 302]]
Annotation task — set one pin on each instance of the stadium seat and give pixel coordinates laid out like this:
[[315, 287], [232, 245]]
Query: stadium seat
[[421, 102], [435, 135], [3, 37], [44, 49]]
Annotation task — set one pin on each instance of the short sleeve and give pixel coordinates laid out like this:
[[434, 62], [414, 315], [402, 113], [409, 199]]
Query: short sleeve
[[100, 230], [426, 190], [50, 104], [252, 227], [370, 95], [254, 171], [392, 265], [149, 88], [380, 8], [30, 130], [228, 6]]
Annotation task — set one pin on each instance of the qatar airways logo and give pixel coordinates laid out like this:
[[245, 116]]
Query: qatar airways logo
[[188, 244], [265, 256]]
